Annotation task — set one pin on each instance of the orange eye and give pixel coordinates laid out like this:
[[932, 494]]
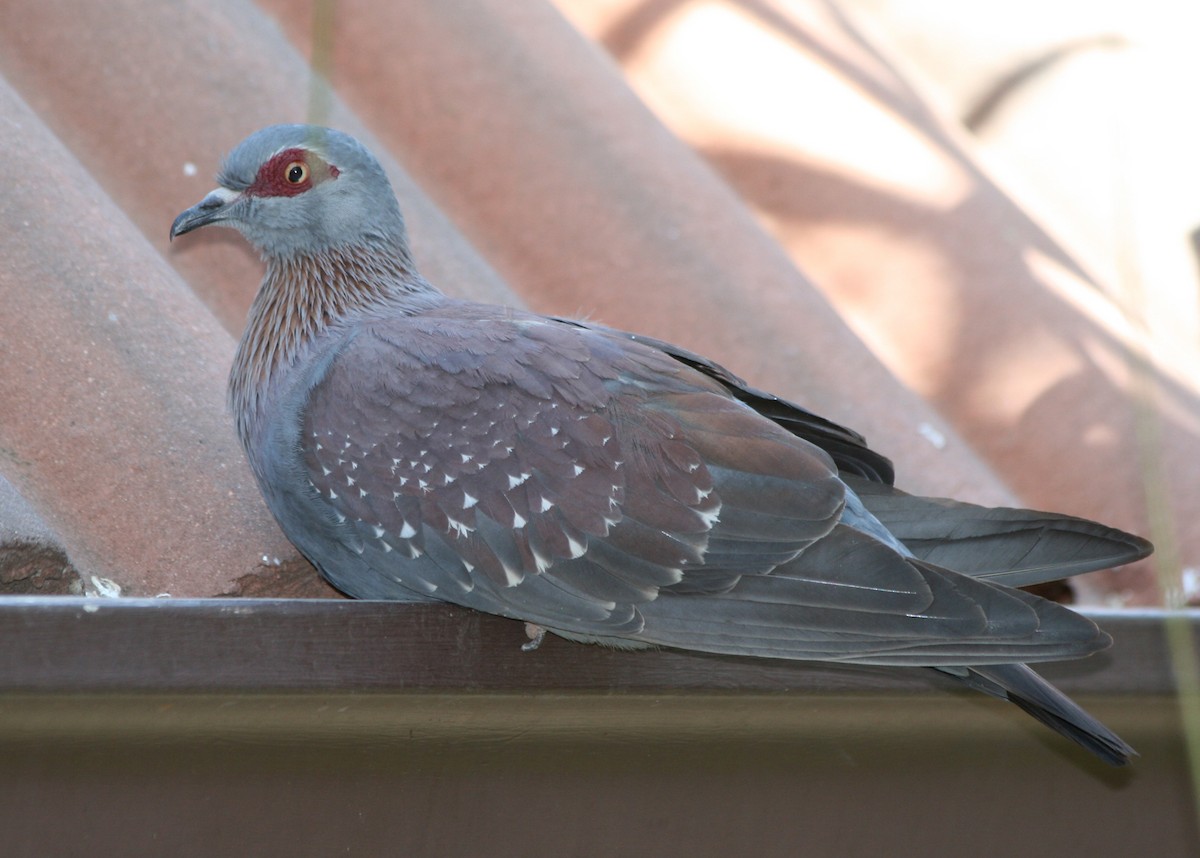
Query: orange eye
[[296, 172]]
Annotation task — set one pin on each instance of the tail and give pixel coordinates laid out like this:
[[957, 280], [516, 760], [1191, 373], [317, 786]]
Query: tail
[[1037, 697], [1014, 547], [851, 599]]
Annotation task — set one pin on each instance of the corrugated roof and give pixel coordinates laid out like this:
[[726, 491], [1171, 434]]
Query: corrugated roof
[[537, 167]]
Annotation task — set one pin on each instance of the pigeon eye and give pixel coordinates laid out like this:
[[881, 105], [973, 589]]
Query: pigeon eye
[[296, 172]]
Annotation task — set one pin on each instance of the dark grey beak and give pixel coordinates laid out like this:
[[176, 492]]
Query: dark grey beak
[[212, 209]]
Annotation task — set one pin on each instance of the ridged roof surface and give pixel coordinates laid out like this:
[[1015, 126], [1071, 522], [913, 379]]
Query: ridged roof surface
[[755, 181]]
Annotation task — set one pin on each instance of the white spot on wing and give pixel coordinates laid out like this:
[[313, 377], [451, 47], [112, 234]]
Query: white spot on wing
[[577, 549], [461, 528], [518, 520], [710, 517], [407, 531], [469, 501]]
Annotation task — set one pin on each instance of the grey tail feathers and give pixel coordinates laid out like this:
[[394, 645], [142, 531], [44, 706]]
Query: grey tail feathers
[[1020, 685], [1014, 547]]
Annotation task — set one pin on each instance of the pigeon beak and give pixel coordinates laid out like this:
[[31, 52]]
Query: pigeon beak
[[212, 209]]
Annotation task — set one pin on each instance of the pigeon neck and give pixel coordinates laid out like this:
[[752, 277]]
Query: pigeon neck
[[302, 296]]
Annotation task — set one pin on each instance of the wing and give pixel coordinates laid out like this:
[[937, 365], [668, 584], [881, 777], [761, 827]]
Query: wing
[[602, 487], [848, 449], [549, 472]]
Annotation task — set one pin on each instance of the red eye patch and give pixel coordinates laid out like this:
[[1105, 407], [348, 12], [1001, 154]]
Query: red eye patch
[[290, 173]]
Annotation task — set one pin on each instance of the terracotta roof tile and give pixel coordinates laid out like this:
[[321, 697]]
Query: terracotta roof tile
[[962, 294], [113, 384]]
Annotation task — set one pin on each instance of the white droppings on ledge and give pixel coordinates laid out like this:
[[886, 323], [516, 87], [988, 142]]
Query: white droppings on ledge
[[1189, 582], [105, 587], [933, 435]]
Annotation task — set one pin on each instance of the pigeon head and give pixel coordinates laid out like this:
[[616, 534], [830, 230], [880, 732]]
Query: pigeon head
[[319, 208], [301, 190]]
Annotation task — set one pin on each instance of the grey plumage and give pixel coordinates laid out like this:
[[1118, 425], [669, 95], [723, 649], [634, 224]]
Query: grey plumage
[[606, 486]]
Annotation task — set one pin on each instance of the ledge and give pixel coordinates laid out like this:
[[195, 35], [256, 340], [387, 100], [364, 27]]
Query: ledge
[[315, 727], [65, 644]]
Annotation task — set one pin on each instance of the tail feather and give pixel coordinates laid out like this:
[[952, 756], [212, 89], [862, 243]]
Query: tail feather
[[1037, 697], [1014, 547], [852, 600]]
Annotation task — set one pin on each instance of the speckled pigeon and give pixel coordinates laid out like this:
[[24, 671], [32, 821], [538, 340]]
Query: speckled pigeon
[[604, 486]]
